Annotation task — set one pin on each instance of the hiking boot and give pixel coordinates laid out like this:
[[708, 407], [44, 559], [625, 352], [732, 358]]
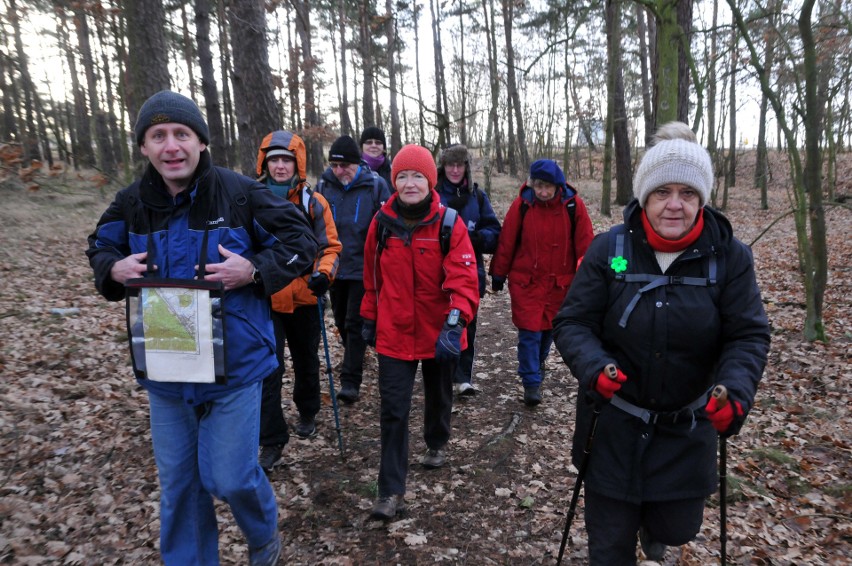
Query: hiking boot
[[266, 555], [306, 428], [386, 508], [542, 370], [433, 459], [348, 394], [270, 456], [532, 396], [465, 389], [653, 550]]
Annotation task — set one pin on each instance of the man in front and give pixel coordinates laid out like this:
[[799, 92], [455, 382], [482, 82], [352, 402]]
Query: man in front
[[205, 434]]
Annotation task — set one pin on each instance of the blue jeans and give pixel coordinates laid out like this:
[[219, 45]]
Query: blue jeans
[[203, 452], [533, 349]]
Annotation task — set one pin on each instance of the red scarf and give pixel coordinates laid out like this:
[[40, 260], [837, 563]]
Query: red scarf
[[660, 244]]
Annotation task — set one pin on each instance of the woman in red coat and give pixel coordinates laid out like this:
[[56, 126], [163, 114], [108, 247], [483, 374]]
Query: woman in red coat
[[417, 301], [545, 234]]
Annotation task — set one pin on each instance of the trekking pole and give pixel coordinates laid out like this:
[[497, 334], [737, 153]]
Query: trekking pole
[[330, 377], [612, 373], [720, 393]]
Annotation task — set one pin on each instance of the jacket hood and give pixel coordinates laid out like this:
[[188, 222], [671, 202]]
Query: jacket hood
[[289, 141]]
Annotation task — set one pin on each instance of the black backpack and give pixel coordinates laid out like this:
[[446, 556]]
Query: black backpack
[[448, 221]]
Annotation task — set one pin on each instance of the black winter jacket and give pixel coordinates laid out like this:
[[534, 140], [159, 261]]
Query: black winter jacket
[[679, 341]]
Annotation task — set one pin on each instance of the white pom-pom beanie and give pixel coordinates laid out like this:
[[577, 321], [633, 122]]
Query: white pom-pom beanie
[[674, 161]]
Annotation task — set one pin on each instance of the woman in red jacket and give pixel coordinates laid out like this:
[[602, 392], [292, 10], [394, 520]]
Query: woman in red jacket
[[417, 300], [545, 234]]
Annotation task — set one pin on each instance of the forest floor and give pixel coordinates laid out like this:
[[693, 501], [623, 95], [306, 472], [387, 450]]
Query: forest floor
[[78, 483]]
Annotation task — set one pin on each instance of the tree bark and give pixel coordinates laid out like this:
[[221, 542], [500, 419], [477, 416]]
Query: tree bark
[[253, 95], [106, 158], [209, 89], [345, 122], [390, 31], [441, 110], [647, 108], [311, 133], [112, 118], [422, 126], [684, 22], [368, 105], [512, 86], [29, 137], [8, 129], [148, 56], [228, 124]]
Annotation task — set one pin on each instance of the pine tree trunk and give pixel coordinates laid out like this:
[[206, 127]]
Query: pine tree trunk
[[8, 129], [684, 22], [420, 120], [112, 119], [493, 113], [441, 111], [209, 90], [148, 56], [106, 158], [512, 85], [313, 141], [366, 41], [462, 79], [29, 133], [392, 52], [253, 95], [711, 87], [731, 169], [228, 125], [345, 122], [188, 56], [647, 107]]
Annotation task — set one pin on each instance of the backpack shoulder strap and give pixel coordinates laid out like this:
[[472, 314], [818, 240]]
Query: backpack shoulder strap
[[448, 221], [306, 201]]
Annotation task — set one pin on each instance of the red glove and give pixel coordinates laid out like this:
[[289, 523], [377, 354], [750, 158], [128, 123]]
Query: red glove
[[606, 386], [721, 419]]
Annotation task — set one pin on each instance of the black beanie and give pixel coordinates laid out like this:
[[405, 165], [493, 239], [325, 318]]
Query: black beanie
[[344, 149], [167, 106], [373, 133]]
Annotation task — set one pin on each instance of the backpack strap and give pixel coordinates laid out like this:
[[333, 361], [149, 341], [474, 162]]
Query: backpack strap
[[620, 248], [448, 221]]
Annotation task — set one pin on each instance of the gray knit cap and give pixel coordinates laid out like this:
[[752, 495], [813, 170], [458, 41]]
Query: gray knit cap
[[675, 161], [167, 106]]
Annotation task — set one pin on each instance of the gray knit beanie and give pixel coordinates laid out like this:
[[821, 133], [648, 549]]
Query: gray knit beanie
[[167, 106], [674, 161]]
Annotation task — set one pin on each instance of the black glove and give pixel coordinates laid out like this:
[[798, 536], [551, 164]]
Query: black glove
[[319, 283], [476, 240], [448, 347], [497, 283], [368, 332]]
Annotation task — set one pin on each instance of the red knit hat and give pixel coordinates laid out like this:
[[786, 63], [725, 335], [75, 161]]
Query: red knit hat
[[415, 158]]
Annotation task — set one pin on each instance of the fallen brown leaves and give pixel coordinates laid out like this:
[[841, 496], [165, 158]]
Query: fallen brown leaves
[[78, 483]]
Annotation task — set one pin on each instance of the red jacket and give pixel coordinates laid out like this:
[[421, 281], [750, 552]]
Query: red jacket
[[541, 263], [410, 285]]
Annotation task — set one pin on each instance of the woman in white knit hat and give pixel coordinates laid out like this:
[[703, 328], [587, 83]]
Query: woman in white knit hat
[[663, 309]]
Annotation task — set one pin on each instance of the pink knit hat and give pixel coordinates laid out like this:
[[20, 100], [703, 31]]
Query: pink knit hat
[[415, 158]]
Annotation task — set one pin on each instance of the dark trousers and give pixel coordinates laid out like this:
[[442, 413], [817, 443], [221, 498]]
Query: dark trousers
[[300, 330], [396, 384], [613, 526], [346, 298], [464, 371]]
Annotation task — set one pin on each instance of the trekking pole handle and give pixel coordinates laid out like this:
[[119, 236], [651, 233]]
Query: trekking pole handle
[[611, 371], [720, 393]]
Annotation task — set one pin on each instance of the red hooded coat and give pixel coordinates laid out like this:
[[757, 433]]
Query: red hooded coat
[[541, 263]]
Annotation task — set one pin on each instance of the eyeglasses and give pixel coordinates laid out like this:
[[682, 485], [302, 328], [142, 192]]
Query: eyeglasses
[[372, 142], [334, 166]]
